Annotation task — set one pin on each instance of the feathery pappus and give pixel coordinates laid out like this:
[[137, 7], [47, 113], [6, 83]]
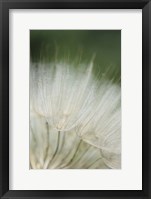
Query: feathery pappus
[[75, 119]]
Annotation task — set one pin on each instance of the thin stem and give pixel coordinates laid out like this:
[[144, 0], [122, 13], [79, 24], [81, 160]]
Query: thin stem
[[70, 151], [61, 147], [47, 147], [74, 155], [82, 155], [94, 162], [35, 140], [54, 155]]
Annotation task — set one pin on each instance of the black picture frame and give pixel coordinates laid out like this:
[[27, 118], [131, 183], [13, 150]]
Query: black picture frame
[[5, 5]]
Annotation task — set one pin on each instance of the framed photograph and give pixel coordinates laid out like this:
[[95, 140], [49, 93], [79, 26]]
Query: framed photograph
[[75, 99]]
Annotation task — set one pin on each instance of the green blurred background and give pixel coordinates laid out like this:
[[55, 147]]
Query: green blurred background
[[79, 46]]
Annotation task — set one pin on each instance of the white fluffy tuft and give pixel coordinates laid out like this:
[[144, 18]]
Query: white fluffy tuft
[[75, 121]]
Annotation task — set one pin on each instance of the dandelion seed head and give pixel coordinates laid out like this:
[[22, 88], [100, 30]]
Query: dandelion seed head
[[72, 102]]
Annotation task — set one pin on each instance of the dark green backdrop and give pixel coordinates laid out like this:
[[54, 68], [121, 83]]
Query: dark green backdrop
[[47, 45]]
